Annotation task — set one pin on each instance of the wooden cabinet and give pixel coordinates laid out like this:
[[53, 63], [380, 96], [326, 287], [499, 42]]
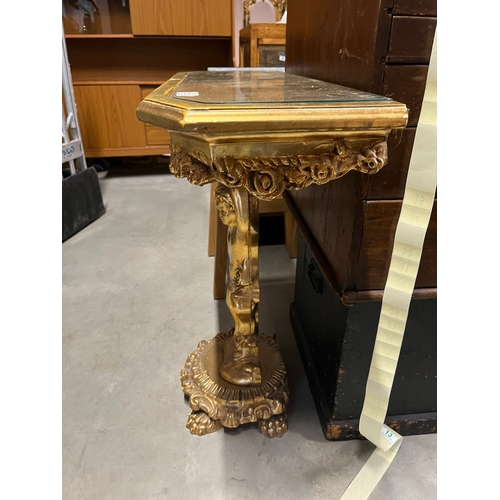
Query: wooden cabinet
[[384, 47], [120, 51], [181, 17], [106, 114], [336, 344]]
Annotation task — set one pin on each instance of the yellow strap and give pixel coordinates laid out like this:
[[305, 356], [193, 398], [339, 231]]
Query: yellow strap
[[412, 225]]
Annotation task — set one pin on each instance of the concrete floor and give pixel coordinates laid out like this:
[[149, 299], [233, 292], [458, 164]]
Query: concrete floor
[[137, 298]]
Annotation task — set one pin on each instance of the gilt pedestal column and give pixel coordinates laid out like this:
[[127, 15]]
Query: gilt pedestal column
[[239, 376], [258, 134]]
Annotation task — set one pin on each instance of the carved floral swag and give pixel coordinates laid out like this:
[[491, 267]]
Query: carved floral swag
[[268, 177]]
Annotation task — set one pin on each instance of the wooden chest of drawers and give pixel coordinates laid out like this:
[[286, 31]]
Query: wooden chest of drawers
[[384, 47]]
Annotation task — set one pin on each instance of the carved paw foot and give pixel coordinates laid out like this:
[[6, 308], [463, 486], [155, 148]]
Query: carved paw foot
[[275, 426], [200, 423]]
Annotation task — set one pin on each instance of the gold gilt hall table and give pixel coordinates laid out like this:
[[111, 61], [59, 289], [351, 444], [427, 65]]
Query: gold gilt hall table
[[258, 133]]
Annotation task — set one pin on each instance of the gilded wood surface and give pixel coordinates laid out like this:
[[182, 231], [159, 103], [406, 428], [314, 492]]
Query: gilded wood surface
[[265, 112], [267, 177], [155, 136], [240, 212], [236, 377], [217, 403]]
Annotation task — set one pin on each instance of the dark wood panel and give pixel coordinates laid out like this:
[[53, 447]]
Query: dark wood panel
[[348, 297], [332, 213], [325, 318], [415, 7], [389, 183], [341, 42], [336, 344], [353, 297], [143, 60], [406, 83], [350, 42], [381, 218], [405, 425], [411, 39]]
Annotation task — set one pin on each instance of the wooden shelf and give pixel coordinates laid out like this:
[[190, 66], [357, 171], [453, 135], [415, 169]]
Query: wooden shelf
[[96, 35], [128, 52], [119, 80], [139, 151], [142, 60], [109, 17]]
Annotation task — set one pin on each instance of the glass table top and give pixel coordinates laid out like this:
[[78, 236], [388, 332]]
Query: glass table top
[[260, 87]]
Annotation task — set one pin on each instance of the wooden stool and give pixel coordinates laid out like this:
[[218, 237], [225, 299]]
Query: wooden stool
[[217, 237]]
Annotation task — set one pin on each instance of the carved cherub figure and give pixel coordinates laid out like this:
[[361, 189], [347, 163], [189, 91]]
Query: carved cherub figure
[[241, 364]]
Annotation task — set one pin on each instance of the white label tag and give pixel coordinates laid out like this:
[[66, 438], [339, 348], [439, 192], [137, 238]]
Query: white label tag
[[388, 434], [187, 94], [282, 57], [71, 150]]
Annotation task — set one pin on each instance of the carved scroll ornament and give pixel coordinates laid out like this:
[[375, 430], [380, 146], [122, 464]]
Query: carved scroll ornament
[[268, 177]]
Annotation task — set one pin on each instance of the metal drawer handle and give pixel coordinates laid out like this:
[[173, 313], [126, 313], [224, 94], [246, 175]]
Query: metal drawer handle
[[315, 277]]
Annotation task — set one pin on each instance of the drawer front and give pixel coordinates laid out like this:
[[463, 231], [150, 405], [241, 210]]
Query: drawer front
[[415, 7], [411, 39], [406, 83], [390, 182], [381, 218]]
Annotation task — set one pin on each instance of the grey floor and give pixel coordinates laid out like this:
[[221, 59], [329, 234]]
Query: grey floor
[[137, 298]]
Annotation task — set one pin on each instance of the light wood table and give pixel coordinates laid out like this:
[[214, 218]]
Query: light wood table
[[258, 133]]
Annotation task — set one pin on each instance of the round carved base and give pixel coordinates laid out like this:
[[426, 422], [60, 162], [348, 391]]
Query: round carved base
[[217, 403]]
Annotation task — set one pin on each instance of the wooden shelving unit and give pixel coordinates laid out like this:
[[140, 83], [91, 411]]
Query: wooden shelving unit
[[124, 50]]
